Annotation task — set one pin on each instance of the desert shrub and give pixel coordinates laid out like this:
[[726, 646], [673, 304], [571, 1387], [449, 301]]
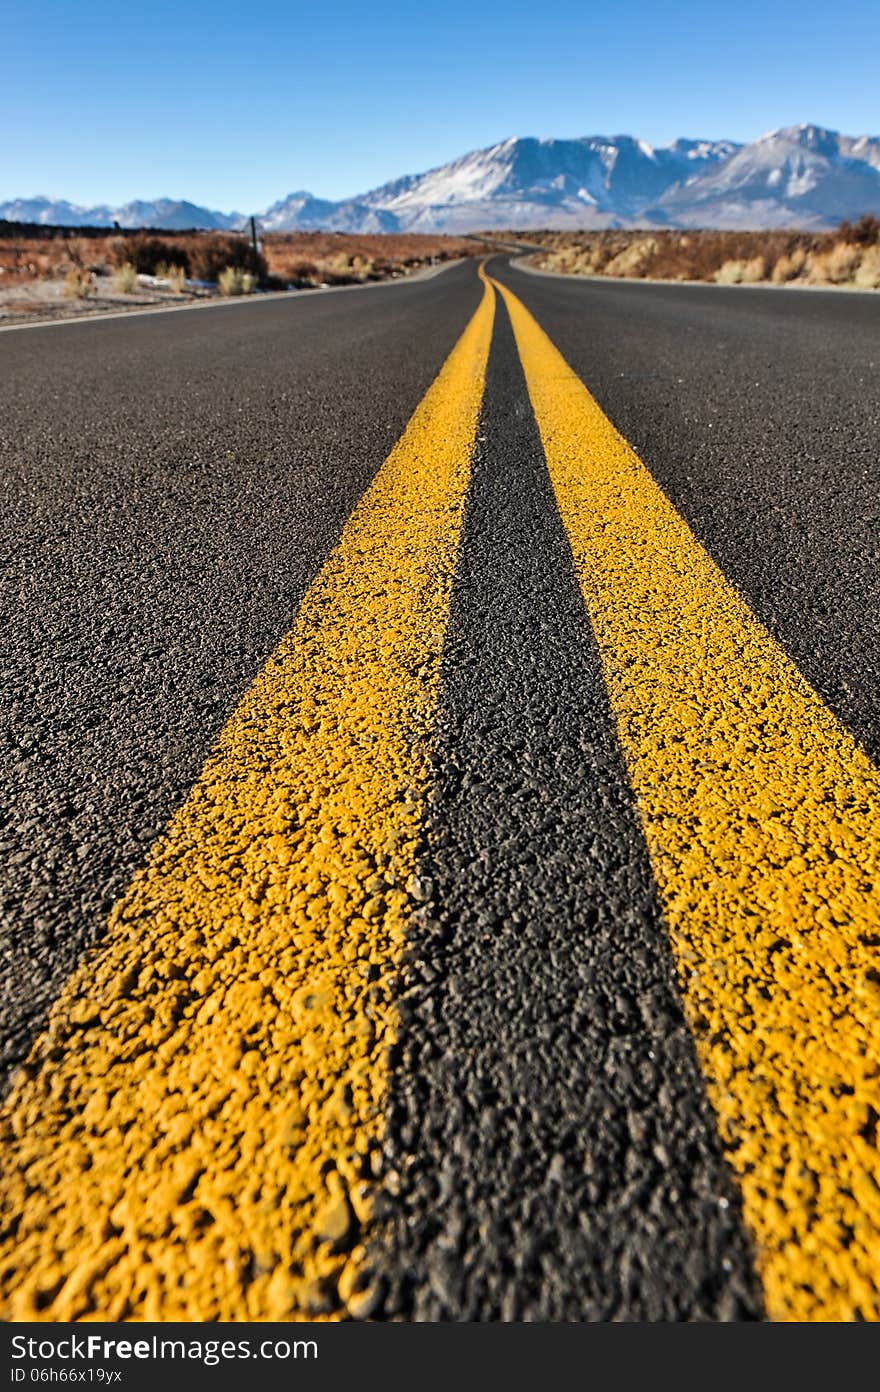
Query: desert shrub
[[755, 270], [557, 261], [76, 249], [125, 280], [868, 274], [229, 281], [302, 273], [741, 272], [232, 280], [79, 283], [212, 253], [726, 257], [573, 260], [788, 266], [865, 232], [304, 259], [836, 266], [634, 259], [339, 269], [175, 276], [731, 273], [146, 253]]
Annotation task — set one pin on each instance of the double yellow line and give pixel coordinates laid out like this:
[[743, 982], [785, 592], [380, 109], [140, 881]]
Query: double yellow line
[[762, 820], [195, 1134]]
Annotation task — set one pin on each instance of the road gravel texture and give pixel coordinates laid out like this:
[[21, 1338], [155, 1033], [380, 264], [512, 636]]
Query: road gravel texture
[[554, 1151], [759, 415], [173, 485]]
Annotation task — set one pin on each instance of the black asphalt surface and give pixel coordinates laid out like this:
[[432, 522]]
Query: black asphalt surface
[[172, 483], [549, 1136], [758, 412]]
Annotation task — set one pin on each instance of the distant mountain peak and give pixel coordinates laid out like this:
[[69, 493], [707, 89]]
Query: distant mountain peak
[[173, 214], [795, 176]]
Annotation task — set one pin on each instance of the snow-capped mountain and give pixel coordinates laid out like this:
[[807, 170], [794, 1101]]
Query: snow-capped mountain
[[592, 182], [171, 213], [801, 176], [305, 213]]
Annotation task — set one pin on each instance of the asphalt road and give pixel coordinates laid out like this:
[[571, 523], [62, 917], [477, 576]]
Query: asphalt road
[[759, 415], [173, 485], [548, 1117]]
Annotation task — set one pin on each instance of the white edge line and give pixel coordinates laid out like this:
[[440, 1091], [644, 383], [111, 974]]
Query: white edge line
[[522, 264], [233, 301]]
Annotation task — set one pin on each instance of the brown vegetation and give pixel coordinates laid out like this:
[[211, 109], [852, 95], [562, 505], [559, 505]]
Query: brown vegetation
[[125, 281], [234, 281], [79, 283], [333, 258], [295, 259], [200, 256], [848, 256], [24, 259]]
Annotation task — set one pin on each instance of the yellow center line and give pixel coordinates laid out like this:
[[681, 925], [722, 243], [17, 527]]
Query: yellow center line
[[192, 1137], [762, 819]]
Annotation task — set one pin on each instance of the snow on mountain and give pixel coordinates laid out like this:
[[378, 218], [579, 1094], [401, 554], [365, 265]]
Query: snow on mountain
[[800, 176], [55, 212], [303, 212], [594, 181], [171, 213], [177, 214]]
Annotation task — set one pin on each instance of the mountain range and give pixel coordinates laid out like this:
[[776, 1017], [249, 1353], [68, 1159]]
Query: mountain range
[[170, 213], [799, 177]]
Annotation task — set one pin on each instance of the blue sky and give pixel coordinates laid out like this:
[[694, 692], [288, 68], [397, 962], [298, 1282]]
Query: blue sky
[[235, 104]]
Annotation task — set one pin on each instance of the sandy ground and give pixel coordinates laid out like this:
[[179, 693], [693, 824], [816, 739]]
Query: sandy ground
[[41, 301], [45, 299]]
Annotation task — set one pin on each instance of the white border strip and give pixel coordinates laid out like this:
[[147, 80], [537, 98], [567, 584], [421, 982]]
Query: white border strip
[[233, 301], [523, 264]]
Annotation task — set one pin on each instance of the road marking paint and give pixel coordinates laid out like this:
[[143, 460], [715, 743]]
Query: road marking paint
[[264, 297], [191, 1137], [762, 819]]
